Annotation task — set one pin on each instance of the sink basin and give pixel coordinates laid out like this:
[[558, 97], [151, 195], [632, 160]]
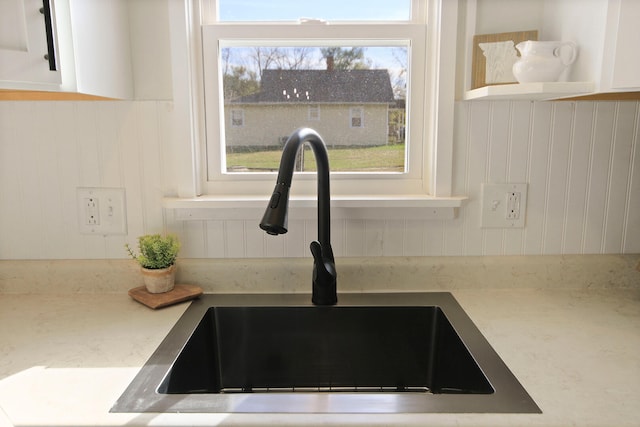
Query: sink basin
[[267, 349], [387, 353]]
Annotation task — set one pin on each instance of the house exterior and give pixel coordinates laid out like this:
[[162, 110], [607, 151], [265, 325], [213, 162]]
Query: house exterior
[[346, 107]]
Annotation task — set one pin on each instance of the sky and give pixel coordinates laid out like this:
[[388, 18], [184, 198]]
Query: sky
[[277, 10]]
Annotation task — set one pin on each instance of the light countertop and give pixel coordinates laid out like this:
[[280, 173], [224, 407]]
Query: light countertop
[[65, 359]]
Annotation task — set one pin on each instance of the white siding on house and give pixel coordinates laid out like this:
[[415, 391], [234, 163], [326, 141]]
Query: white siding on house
[[267, 125], [581, 160]]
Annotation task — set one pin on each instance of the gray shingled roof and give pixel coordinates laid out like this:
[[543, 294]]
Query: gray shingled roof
[[322, 86]]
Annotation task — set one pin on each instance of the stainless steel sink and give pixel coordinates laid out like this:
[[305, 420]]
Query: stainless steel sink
[[387, 353]]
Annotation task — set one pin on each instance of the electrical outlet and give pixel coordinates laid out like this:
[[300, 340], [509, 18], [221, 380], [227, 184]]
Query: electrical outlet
[[503, 205], [91, 214], [102, 211], [513, 205]]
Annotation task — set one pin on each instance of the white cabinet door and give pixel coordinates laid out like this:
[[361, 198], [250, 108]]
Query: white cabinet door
[[23, 44], [101, 48], [626, 66]]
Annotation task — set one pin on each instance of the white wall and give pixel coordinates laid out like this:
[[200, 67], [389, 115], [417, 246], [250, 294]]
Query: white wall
[[581, 160], [47, 149]]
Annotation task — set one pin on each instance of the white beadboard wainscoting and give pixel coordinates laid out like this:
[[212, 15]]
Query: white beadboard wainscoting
[[580, 159]]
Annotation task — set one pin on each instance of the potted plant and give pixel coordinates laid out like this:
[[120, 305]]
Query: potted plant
[[157, 258]]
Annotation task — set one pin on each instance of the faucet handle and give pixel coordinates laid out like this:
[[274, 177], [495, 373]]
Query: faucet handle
[[324, 275], [324, 257]]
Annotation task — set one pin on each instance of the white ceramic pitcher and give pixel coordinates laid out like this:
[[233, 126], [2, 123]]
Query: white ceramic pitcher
[[543, 61]]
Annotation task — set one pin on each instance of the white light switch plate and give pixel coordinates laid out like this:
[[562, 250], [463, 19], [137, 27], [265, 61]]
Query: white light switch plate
[[504, 205]]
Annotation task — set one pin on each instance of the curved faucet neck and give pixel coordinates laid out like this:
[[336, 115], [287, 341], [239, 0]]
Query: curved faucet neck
[[285, 175]]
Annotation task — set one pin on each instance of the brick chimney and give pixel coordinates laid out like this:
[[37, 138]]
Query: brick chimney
[[330, 63]]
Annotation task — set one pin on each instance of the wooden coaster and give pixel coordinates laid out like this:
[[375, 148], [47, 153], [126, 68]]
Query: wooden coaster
[[179, 293]]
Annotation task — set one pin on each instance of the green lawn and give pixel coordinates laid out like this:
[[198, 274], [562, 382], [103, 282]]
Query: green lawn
[[388, 158]]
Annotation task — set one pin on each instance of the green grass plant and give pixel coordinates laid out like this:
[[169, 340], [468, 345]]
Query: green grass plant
[[156, 251], [386, 158]]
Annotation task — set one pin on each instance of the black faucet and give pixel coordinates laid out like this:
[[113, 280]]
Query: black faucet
[[274, 220]]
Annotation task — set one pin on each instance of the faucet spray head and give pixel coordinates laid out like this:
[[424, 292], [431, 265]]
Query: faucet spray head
[[274, 221]]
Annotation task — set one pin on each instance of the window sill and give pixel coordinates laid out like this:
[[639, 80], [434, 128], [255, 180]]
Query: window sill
[[342, 207]]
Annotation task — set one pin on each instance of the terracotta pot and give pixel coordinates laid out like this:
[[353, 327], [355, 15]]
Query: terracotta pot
[[159, 280]]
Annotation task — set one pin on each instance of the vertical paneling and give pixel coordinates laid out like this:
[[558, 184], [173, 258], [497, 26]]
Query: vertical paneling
[[517, 164], [557, 176], [454, 231], [497, 165], [134, 160], [257, 241], [86, 134], [295, 244], [619, 169], [581, 160], [84, 122], [64, 196], [537, 173], [393, 238], [477, 161], [598, 177], [577, 186], [109, 117], [434, 238], [193, 237], [29, 220], [10, 203], [215, 239], [46, 143], [354, 237], [234, 240], [414, 241], [631, 239], [337, 237], [373, 238]]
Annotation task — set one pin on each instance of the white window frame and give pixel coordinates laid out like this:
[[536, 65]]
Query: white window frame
[[431, 188]]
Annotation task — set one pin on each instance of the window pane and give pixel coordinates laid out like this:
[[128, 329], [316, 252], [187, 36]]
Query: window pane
[[328, 10], [352, 96]]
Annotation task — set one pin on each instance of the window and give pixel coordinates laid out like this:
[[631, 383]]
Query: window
[[356, 117], [237, 117], [314, 113], [410, 118]]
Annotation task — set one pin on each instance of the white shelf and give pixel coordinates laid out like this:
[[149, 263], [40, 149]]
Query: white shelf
[[531, 91], [364, 201], [417, 206]]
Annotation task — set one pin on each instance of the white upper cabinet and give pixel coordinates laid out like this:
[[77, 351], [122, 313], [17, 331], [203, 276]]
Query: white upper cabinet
[[607, 33], [23, 45], [91, 42], [621, 64]]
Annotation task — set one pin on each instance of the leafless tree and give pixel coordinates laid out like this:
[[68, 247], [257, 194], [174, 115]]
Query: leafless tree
[[296, 58], [398, 75]]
